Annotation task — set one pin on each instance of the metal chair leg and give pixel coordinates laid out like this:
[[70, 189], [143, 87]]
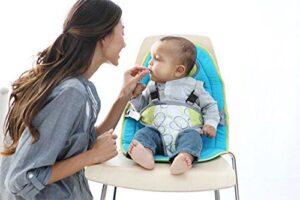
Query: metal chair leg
[[115, 193], [217, 194], [103, 193], [236, 187]]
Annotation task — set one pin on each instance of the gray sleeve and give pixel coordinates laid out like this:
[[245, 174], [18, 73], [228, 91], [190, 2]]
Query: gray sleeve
[[209, 107], [141, 101], [31, 164], [93, 138]]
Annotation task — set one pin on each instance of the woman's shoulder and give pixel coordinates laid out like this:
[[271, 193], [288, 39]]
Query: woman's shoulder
[[71, 84]]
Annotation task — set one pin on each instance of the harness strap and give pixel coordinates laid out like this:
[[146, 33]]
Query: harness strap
[[153, 91], [222, 117], [194, 96]]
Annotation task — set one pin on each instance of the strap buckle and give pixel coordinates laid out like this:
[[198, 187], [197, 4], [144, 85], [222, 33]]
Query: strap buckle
[[192, 98], [133, 114]]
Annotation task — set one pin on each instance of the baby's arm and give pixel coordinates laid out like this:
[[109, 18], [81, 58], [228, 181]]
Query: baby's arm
[[141, 100], [210, 112]]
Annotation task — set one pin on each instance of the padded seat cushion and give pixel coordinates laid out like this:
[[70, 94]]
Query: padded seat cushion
[[207, 71]]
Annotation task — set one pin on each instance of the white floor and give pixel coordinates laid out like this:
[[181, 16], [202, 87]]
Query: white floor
[[250, 189]]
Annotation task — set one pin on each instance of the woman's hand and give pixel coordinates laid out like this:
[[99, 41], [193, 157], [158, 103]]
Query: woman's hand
[[105, 148], [131, 86], [137, 90]]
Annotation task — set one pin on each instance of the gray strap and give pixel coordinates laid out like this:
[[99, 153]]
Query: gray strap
[[194, 96], [222, 118], [153, 91]]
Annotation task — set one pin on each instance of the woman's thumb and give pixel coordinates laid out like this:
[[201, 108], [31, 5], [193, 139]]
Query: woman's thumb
[[110, 131], [139, 76]]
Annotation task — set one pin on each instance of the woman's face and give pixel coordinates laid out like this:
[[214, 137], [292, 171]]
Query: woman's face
[[113, 44]]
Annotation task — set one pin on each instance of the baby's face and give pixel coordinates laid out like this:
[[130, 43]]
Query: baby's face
[[163, 63]]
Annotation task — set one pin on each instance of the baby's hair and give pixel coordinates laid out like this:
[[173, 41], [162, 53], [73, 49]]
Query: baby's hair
[[188, 53]]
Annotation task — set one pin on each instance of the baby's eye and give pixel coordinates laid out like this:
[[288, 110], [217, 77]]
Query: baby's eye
[[156, 58]]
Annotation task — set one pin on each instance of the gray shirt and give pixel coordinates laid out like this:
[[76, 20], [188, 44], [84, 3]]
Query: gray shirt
[[177, 91], [66, 127]]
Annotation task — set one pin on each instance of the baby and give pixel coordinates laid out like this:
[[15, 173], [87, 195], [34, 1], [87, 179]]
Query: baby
[[175, 108]]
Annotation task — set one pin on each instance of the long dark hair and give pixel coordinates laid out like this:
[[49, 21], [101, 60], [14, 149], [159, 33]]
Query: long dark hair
[[70, 55]]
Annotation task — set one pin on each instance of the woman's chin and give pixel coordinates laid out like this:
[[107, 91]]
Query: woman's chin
[[115, 63]]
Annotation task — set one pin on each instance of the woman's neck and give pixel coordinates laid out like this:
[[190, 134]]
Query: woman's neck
[[96, 63]]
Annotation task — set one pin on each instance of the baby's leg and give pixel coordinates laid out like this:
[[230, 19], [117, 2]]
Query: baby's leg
[[188, 148], [182, 163], [141, 155]]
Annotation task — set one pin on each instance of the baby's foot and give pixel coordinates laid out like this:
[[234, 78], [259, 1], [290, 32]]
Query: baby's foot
[[141, 155], [182, 163]]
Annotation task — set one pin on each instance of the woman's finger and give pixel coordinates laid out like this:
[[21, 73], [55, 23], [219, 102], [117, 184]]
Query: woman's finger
[[136, 70], [141, 75], [138, 90], [110, 131]]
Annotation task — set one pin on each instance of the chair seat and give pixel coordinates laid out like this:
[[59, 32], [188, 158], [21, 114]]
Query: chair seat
[[122, 172]]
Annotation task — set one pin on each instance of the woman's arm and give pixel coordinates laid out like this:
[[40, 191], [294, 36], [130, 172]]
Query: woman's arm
[[112, 118], [129, 89], [104, 149], [105, 146], [69, 166]]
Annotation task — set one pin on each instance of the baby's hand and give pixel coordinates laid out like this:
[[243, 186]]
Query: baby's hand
[[139, 88], [209, 130]]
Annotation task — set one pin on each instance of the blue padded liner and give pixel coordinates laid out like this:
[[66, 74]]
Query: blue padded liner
[[209, 74]]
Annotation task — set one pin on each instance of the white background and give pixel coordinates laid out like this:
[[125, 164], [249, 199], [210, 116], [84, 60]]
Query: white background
[[257, 44]]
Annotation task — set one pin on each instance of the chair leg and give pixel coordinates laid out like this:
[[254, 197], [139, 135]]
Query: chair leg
[[236, 187], [103, 193], [217, 194], [115, 193]]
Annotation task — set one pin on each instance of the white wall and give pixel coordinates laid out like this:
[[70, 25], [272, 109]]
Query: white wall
[[3, 110], [257, 44]]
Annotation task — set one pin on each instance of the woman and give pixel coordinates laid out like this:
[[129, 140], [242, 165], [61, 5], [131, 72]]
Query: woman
[[50, 124]]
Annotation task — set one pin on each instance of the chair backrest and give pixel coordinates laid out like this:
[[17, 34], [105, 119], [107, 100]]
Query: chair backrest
[[207, 71], [3, 111]]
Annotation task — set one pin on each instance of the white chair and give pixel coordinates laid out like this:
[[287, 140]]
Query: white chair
[[212, 175]]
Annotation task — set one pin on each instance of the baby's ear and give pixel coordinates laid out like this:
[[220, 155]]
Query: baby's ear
[[180, 71]]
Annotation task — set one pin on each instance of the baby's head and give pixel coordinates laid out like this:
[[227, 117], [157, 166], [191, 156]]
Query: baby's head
[[172, 58]]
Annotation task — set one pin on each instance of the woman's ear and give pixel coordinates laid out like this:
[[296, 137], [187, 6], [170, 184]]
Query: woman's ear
[[180, 71], [101, 42]]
